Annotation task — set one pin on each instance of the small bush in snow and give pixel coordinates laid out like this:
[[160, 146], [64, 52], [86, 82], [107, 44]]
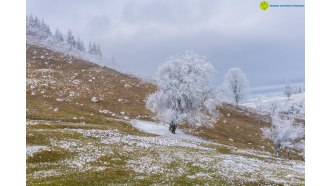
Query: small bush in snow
[[288, 89], [283, 132], [259, 103]]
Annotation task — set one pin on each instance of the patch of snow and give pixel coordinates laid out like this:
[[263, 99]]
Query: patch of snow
[[60, 99], [104, 111], [94, 99], [127, 85], [30, 150], [162, 130], [76, 82], [45, 174], [126, 117]]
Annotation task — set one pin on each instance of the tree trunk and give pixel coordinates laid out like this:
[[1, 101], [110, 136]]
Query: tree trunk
[[276, 152], [276, 149], [172, 127]]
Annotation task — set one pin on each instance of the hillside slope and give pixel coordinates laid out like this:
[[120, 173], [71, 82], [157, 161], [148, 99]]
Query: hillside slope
[[80, 131], [62, 87]]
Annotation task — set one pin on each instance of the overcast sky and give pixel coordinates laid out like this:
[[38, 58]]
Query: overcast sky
[[269, 46]]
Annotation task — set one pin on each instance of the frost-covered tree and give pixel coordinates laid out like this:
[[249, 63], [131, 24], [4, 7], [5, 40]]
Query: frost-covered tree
[[45, 28], [275, 106], [283, 132], [89, 48], [35, 22], [259, 103], [30, 19], [58, 35], [184, 95], [92, 49], [33, 25], [80, 45], [236, 85], [37, 27], [70, 39], [299, 90], [99, 53], [288, 89]]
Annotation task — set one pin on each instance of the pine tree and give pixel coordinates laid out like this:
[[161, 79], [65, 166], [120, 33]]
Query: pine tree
[[31, 19], [58, 35], [36, 22], [80, 45], [71, 40], [92, 49], [33, 25], [45, 28], [99, 53], [89, 48]]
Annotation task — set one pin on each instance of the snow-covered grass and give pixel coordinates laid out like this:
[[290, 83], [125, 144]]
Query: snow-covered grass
[[106, 155]]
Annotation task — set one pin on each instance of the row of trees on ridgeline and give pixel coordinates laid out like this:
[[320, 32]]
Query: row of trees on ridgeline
[[36, 26], [184, 95], [289, 90]]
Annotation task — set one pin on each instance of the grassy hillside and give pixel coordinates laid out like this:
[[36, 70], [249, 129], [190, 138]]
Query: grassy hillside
[[78, 133], [61, 87], [240, 127]]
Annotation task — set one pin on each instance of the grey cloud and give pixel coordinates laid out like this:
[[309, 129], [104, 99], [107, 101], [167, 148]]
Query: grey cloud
[[267, 45]]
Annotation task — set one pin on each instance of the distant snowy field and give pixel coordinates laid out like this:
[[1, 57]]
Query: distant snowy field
[[272, 103]]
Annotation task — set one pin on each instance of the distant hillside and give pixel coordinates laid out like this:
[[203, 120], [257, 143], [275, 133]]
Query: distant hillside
[[39, 33]]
